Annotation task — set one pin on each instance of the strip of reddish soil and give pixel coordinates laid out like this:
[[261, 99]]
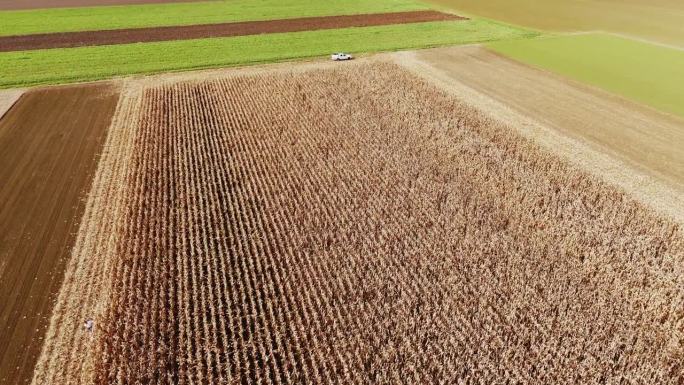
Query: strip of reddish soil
[[49, 142], [138, 35], [37, 4]]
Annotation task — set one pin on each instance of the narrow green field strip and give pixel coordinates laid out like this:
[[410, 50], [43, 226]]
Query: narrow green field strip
[[92, 63], [646, 73], [26, 22]]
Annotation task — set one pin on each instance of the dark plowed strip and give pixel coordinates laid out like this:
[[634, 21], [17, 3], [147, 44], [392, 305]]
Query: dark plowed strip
[[49, 143], [137, 35]]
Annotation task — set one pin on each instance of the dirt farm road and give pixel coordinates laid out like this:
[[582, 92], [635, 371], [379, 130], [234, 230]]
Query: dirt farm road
[[219, 165], [138, 35], [49, 143]]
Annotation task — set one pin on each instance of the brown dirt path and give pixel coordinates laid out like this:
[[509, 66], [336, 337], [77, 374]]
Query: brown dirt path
[[8, 5], [49, 144], [137, 35], [630, 145]]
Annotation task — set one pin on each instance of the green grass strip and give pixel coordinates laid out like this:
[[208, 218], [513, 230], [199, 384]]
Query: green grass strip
[[646, 73], [92, 63], [153, 15]]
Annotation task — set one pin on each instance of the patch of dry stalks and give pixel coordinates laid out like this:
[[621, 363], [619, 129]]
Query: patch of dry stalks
[[329, 227]]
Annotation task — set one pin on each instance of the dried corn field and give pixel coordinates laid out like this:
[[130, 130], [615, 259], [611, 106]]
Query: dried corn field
[[318, 226]]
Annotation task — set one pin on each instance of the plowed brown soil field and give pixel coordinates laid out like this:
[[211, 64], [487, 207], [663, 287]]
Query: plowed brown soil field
[[49, 143], [123, 36], [263, 227]]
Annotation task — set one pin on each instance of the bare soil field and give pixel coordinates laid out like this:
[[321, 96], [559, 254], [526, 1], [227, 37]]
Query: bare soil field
[[262, 227], [642, 139], [37, 4], [137, 35], [49, 143]]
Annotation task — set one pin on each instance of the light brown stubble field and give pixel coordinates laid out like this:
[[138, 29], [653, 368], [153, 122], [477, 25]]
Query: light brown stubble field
[[264, 227]]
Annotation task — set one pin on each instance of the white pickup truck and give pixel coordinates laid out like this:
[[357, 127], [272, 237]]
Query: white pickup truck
[[341, 56]]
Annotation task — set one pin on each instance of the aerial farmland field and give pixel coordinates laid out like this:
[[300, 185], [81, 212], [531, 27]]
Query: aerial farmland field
[[86, 44], [214, 200], [647, 73], [61, 65], [645, 139], [654, 20], [304, 235]]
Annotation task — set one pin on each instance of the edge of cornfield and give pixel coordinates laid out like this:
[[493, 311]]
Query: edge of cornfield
[[659, 196]]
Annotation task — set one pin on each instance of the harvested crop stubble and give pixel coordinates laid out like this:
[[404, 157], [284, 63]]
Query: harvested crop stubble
[[276, 230]]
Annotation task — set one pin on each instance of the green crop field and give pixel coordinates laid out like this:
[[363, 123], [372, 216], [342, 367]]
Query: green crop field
[[152, 15], [91, 63], [646, 73], [658, 20]]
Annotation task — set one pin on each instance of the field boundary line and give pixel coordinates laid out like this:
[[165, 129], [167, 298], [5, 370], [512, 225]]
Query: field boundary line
[[663, 198], [553, 35], [616, 34], [643, 40], [69, 352]]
